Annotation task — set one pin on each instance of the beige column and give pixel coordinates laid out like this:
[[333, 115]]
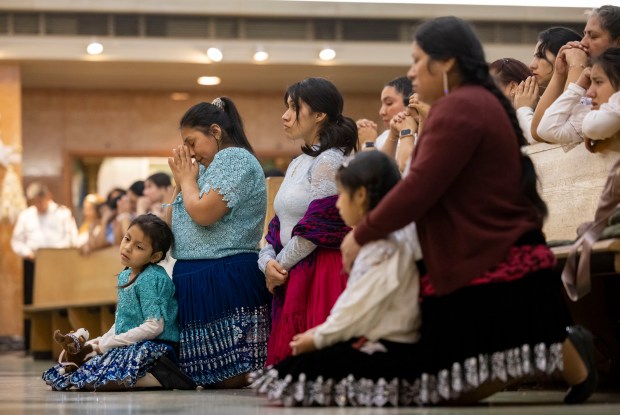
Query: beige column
[[11, 296]]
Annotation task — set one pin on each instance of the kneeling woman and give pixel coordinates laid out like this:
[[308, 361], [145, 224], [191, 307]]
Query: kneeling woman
[[217, 218], [365, 345], [138, 351], [492, 308]]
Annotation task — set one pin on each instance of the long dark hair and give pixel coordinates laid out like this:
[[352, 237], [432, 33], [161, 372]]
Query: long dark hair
[[158, 232], [403, 86], [322, 96], [553, 39], [202, 116], [609, 61], [450, 37], [374, 170]]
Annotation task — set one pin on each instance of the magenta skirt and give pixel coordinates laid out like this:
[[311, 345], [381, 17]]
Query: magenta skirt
[[313, 286]]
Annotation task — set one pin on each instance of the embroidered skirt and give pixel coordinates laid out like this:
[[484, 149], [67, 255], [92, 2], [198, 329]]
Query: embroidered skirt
[[507, 331], [346, 374], [224, 317], [121, 365]]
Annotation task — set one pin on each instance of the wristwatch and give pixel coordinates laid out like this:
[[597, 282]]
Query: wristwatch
[[405, 133]]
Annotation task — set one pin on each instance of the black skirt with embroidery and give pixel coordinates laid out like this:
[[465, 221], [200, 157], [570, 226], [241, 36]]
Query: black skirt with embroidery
[[352, 373], [506, 331]]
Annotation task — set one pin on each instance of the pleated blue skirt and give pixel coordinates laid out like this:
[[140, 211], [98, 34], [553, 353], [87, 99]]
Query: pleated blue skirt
[[224, 317]]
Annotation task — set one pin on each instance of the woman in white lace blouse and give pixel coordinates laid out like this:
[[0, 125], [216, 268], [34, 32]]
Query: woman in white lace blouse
[[302, 262]]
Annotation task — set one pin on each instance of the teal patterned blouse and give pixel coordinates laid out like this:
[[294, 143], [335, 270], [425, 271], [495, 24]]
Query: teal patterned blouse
[[238, 176], [151, 296]]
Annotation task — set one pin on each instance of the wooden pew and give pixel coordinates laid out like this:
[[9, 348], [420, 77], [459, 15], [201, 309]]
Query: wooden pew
[[273, 185], [571, 184], [71, 291]]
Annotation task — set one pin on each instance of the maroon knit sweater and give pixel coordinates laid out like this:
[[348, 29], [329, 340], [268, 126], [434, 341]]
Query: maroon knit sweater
[[463, 190]]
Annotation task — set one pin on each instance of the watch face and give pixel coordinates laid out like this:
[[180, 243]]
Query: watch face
[[405, 132]]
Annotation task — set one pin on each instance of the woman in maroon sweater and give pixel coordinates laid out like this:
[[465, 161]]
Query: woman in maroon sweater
[[492, 308]]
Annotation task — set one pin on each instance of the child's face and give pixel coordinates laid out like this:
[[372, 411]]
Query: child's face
[[352, 206], [600, 89], [137, 250]]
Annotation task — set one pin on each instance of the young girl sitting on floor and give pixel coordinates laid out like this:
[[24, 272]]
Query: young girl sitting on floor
[[361, 354], [138, 351]]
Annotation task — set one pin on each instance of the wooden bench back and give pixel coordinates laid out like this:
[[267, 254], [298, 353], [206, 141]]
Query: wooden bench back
[[571, 184], [273, 185], [64, 277]]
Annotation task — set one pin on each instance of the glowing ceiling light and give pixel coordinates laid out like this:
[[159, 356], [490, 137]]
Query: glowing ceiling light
[[327, 54], [209, 80], [261, 55], [94, 48], [215, 54]]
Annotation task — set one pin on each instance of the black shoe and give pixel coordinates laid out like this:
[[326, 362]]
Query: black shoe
[[170, 376], [581, 339]]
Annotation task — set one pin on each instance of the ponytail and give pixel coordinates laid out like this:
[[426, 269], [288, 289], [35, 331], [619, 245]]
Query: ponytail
[[341, 133], [223, 112]]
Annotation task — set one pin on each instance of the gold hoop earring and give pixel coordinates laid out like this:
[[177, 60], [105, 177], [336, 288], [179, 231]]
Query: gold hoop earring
[[446, 88]]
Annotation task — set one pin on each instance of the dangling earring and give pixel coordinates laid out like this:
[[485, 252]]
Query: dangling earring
[[446, 89]]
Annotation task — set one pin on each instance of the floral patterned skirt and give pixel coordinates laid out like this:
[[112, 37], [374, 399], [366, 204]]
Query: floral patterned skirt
[[224, 317], [121, 366], [508, 332]]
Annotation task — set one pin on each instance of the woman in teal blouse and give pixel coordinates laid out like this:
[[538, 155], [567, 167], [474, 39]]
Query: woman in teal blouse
[[217, 215]]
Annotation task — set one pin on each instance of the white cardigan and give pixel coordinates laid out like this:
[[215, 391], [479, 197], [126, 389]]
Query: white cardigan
[[381, 300], [562, 121], [604, 123]]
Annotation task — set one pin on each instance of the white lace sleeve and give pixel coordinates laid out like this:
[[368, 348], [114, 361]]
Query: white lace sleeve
[[323, 173], [295, 250], [265, 255], [322, 177], [604, 123]]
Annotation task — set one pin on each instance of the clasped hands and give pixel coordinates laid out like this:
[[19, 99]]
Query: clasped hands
[[275, 275], [183, 166]]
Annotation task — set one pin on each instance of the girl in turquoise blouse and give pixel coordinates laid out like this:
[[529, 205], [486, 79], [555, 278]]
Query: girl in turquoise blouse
[[217, 215], [138, 351]]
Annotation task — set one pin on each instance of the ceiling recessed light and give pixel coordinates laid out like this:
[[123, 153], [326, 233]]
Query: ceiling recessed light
[[209, 80], [94, 48], [260, 55], [215, 54], [179, 96], [327, 54]]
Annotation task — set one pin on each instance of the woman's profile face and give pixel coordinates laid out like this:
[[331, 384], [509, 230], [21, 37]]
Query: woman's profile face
[[601, 88], [542, 66], [301, 126], [392, 102], [426, 78], [596, 38], [153, 193]]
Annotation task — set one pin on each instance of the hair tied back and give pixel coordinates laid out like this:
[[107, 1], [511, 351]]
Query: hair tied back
[[219, 103]]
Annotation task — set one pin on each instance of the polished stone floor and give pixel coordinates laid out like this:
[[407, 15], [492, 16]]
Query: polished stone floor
[[23, 392]]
